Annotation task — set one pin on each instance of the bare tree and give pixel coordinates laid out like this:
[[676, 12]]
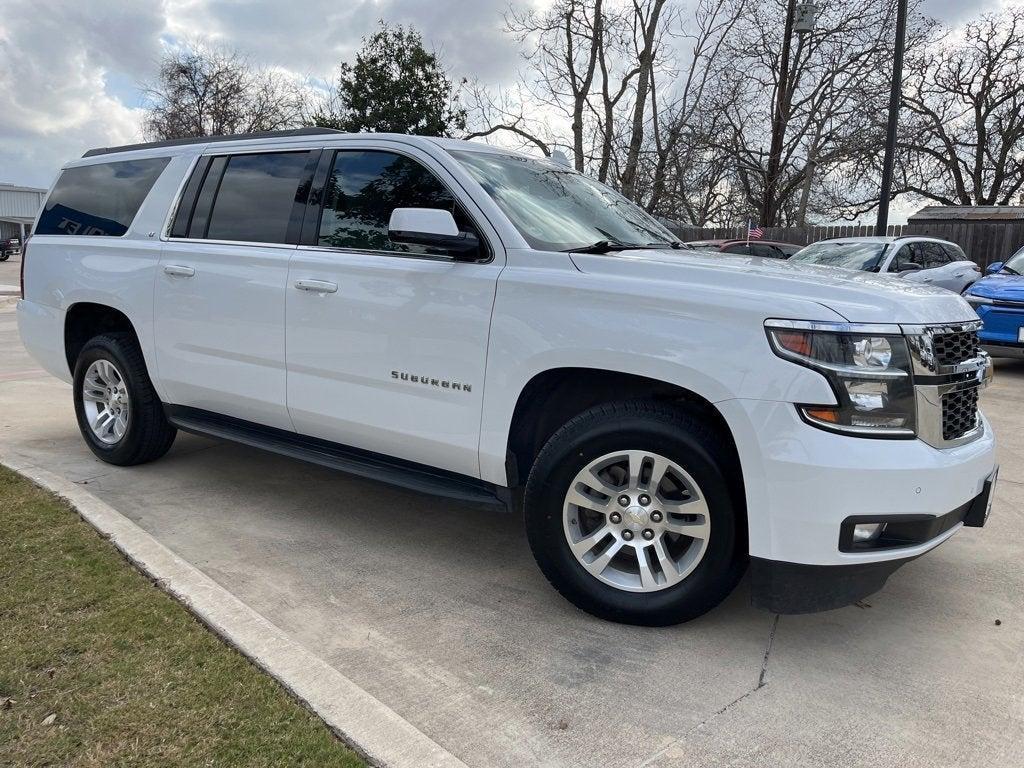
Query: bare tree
[[647, 16], [500, 112], [963, 99], [792, 137], [204, 90], [565, 40], [692, 174]]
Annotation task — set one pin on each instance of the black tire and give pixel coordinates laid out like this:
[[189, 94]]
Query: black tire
[[675, 432], [149, 435], [4, 256]]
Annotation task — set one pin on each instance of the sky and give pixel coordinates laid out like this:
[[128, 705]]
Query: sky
[[71, 71]]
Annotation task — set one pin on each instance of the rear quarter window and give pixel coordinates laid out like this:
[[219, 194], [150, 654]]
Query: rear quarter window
[[100, 199], [954, 252]]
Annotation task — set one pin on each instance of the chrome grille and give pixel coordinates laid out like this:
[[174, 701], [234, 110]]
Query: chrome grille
[[955, 348], [959, 413], [950, 370]]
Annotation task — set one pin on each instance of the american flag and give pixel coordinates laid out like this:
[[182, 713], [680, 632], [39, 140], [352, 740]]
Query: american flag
[[754, 232]]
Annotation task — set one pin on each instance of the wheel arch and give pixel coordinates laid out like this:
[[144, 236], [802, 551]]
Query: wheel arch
[[85, 320], [554, 396]]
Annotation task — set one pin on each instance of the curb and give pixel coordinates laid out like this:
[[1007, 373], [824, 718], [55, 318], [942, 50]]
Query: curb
[[370, 727]]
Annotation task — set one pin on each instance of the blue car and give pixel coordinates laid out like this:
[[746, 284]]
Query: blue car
[[998, 298]]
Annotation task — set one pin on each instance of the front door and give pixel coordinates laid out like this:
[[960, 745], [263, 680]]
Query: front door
[[387, 343], [220, 287]]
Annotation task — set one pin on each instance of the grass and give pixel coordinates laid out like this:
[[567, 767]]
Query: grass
[[99, 667]]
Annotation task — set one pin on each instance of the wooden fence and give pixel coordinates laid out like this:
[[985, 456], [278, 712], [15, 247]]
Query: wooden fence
[[982, 241]]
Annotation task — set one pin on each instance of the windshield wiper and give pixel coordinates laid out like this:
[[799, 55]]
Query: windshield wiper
[[606, 246], [1011, 270]]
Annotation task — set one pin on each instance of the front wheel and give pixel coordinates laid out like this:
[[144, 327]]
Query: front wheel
[[630, 516], [119, 413]]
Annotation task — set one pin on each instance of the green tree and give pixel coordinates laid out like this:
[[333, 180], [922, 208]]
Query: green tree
[[394, 86]]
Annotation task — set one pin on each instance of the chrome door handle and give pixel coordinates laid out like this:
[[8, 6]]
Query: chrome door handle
[[177, 270], [316, 286]]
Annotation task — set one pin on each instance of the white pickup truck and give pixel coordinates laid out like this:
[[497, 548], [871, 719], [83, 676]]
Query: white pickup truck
[[496, 328]]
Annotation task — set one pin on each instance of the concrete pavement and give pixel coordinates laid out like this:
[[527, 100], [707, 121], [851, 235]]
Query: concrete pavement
[[438, 611]]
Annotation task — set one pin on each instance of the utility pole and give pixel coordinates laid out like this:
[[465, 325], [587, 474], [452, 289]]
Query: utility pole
[[894, 112]]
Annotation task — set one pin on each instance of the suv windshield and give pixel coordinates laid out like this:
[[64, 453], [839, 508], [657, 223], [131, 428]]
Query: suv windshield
[[863, 256], [1015, 263], [555, 208]]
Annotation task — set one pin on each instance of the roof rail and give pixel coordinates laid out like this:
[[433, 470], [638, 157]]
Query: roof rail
[[308, 131]]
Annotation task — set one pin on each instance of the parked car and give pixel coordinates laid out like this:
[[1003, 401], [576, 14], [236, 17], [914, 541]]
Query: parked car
[[998, 298], [496, 328], [915, 259], [10, 246], [770, 249]]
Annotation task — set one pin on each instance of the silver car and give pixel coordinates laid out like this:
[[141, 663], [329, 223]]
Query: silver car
[[919, 259]]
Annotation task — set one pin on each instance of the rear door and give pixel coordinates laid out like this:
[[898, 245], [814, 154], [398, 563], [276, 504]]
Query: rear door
[[962, 271], [387, 344], [932, 259], [220, 288], [942, 266]]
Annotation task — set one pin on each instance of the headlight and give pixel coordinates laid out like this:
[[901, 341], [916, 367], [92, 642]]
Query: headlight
[[869, 372]]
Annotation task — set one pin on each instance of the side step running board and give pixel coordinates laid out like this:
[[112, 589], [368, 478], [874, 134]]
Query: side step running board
[[354, 461]]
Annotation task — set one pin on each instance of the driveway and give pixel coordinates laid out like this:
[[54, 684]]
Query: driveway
[[438, 611]]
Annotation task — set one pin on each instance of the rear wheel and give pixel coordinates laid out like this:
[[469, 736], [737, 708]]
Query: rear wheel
[[630, 516], [119, 413]]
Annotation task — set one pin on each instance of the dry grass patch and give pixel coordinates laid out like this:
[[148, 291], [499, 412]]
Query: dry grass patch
[[99, 667]]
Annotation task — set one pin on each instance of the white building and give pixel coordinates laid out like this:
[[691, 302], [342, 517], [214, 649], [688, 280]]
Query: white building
[[18, 209]]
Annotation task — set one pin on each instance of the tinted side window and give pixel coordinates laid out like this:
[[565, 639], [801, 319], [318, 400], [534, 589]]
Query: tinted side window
[[932, 255], [100, 199], [365, 186], [765, 251], [954, 252], [256, 197], [902, 257], [741, 248]]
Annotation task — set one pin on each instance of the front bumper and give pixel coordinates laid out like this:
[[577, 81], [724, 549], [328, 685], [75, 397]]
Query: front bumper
[[1000, 334], [1004, 350], [802, 483], [783, 587]]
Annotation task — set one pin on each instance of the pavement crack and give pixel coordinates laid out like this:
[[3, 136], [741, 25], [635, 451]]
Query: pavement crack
[[91, 478], [761, 682]]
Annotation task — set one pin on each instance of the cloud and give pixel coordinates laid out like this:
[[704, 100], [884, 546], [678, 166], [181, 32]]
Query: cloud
[[54, 99], [71, 70], [327, 32]]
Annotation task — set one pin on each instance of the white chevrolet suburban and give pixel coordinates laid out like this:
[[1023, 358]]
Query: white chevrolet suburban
[[496, 328]]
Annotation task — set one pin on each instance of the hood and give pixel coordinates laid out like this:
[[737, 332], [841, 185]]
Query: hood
[[1002, 286], [859, 297]]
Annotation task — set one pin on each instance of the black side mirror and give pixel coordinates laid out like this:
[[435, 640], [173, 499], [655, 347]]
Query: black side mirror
[[910, 267]]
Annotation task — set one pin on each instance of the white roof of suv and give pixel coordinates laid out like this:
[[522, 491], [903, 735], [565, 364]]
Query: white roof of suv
[[882, 239], [298, 134]]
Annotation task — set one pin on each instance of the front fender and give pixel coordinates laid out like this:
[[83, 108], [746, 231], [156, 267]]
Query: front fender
[[715, 349]]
